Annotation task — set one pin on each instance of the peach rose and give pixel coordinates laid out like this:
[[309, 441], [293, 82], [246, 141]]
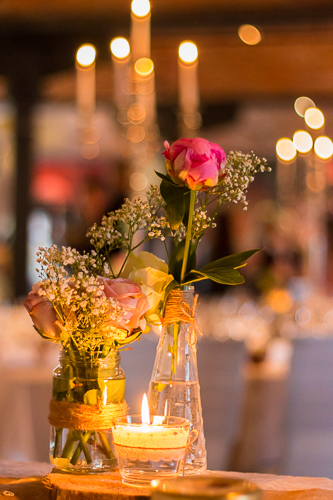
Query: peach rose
[[129, 295], [42, 314]]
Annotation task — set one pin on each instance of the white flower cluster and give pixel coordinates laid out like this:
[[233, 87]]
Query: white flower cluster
[[201, 222], [239, 173], [78, 299], [118, 228]]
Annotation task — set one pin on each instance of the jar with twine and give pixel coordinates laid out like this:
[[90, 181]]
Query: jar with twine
[[88, 392], [174, 386]]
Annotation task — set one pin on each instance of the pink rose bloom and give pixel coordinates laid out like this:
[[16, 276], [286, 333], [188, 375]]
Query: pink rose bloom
[[196, 163], [42, 313], [130, 297]]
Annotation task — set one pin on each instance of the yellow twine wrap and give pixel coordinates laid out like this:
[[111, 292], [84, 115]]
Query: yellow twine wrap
[[180, 306], [78, 416]]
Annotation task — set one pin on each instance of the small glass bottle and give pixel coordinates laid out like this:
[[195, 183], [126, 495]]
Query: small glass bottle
[[174, 386], [86, 383]]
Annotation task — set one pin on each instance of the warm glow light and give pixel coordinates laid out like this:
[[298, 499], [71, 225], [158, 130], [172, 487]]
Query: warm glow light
[[120, 48], [144, 66], [285, 149], [323, 147], [249, 34], [140, 8], [136, 133], [145, 416], [303, 141], [315, 181], [302, 104], [314, 118], [279, 300], [136, 113], [86, 55], [138, 181], [188, 52]]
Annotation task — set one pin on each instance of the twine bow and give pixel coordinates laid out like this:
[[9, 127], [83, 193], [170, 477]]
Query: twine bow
[[178, 308], [193, 436]]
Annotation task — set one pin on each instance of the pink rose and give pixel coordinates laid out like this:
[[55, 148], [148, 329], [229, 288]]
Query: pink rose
[[130, 297], [196, 163], [42, 313]]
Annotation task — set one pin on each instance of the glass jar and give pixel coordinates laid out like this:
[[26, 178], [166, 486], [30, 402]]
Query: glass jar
[[87, 393], [174, 386]]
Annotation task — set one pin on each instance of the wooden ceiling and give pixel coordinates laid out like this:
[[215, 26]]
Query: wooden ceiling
[[295, 56]]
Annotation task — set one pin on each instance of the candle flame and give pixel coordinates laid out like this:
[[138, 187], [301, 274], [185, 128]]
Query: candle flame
[[140, 8], [188, 52], [120, 48], [145, 416], [86, 55]]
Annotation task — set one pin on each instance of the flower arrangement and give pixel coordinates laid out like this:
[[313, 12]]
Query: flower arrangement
[[84, 304], [92, 309]]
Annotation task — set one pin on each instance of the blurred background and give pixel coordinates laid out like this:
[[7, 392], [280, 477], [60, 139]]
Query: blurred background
[[82, 125]]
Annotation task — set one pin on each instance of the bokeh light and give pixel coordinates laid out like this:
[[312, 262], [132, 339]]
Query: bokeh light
[[136, 113], [249, 34], [188, 52], [323, 147], [303, 141], [144, 66], [138, 181], [135, 133], [285, 149], [86, 55], [314, 118], [315, 181], [120, 48], [140, 8], [302, 104]]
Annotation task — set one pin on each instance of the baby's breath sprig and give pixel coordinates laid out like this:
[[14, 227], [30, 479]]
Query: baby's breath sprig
[[77, 297], [239, 173], [127, 228]]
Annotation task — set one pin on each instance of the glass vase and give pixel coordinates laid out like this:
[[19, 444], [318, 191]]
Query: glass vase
[[174, 386], [87, 393]]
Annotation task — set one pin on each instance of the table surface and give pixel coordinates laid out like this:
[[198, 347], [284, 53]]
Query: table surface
[[24, 479]]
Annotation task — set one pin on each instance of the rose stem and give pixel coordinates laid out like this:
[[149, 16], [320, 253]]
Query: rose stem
[[106, 445], [69, 445], [56, 441], [77, 451], [188, 235], [84, 448]]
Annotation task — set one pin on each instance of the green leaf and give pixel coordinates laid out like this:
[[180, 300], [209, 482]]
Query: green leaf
[[130, 339], [114, 389], [176, 202], [62, 385], [166, 178], [175, 212], [91, 397], [231, 261], [222, 276]]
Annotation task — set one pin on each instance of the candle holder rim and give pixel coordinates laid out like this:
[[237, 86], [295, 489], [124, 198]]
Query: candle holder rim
[[170, 421]]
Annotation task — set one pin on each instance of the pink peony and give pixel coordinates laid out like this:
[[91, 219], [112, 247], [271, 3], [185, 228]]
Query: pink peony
[[130, 297], [196, 163], [42, 313]]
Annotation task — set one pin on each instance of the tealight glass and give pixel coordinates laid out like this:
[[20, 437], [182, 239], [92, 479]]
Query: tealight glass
[[205, 487], [150, 451]]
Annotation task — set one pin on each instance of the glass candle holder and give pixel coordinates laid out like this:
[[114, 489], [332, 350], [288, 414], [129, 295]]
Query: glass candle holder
[[205, 487], [150, 451]]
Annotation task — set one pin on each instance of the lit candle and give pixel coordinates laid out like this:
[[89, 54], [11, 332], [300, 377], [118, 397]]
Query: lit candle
[[188, 77], [140, 29], [85, 82], [120, 50], [135, 437]]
